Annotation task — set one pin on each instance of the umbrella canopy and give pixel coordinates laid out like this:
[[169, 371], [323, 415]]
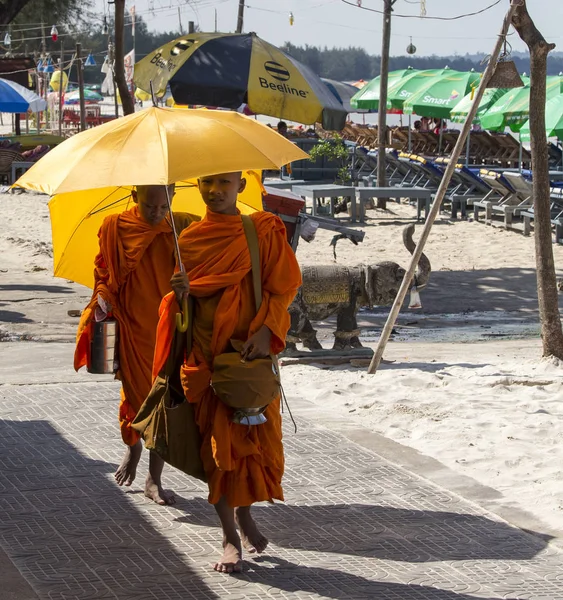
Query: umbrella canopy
[[437, 98], [513, 108], [89, 96], [411, 83], [461, 110], [76, 218], [158, 146], [553, 120], [227, 70], [14, 98], [368, 96], [343, 92]]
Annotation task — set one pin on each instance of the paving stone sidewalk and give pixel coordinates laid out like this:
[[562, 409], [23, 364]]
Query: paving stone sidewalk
[[354, 527]]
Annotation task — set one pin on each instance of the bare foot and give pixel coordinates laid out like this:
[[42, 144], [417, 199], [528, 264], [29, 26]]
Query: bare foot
[[231, 561], [127, 470], [155, 492], [251, 537]]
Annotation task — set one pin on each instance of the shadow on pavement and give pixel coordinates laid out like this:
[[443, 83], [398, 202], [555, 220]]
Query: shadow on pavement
[[74, 533], [384, 532], [343, 586]]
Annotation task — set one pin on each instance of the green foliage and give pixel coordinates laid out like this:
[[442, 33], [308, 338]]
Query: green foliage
[[48, 11], [333, 149]]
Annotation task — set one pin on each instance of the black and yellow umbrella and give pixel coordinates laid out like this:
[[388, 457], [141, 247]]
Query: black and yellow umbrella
[[227, 70]]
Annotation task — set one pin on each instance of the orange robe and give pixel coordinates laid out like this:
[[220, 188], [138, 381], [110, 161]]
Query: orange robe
[[132, 272], [244, 464]]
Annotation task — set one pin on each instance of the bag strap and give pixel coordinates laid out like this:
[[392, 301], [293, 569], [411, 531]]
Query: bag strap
[[254, 248]]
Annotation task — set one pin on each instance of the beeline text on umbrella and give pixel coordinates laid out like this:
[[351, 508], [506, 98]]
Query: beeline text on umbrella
[[279, 72]]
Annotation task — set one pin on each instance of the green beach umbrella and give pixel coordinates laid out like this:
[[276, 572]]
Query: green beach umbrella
[[461, 109], [438, 97], [513, 108], [367, 98], [410, 84], [553, 120]]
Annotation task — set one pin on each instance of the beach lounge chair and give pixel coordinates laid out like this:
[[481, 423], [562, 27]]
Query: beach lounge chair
[[504, 195], [7, 157], [523, 197]]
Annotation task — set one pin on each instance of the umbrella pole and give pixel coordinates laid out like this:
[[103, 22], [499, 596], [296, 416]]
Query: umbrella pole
[[456, 153], [520, 153], [410, 134], [467, 149], [181, 318]]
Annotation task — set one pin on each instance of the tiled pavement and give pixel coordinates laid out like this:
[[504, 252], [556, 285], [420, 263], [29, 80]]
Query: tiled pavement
[[354, 527]]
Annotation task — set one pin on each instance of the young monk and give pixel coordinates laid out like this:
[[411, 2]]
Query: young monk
[[132, 272], [243, 464]]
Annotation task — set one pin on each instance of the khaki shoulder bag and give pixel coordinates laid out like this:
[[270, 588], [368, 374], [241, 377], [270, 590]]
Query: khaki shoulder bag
[[166, 420]]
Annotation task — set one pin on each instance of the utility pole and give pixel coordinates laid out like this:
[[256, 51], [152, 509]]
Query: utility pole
[[80, 66], [180, 22], [240, 18], [383, 81]]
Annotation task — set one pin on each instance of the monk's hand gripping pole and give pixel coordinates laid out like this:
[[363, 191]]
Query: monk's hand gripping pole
[[181, 317]]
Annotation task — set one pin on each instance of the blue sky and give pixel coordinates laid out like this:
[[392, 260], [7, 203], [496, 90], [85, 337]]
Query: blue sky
[[334, 23]]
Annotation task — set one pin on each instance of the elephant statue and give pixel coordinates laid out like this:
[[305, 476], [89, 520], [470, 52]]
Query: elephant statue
[[338, 290]]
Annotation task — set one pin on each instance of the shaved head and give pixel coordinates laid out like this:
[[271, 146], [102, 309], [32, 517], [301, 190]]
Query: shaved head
[[152, 201]]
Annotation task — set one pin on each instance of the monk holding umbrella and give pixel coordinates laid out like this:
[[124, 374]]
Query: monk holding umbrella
[[92, 175]]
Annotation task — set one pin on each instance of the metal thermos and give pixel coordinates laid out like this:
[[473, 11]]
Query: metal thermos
[[103, 349]]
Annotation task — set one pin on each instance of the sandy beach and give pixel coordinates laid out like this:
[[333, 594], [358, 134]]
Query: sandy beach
[[465, 383]]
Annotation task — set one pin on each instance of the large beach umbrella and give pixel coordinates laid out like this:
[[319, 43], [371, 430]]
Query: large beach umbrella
[[411, 83], [159, 146], [461, 110], [15, 98], [90, 97], [76, 218], [155, 146], [343, 92], [228, 70], [368, 96], [513, 108], [553, 120], [437, 98]]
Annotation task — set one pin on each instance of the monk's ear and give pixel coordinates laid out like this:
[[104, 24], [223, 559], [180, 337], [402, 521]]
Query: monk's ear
[[134, 196], [242, 185]]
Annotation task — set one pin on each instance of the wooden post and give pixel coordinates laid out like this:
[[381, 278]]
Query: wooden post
[[458, 149], [61, 73], [240, 16], [383, 83], [80, 67]]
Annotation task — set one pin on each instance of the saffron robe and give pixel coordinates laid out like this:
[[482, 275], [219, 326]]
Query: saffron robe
[[132, 272], [244, 464]]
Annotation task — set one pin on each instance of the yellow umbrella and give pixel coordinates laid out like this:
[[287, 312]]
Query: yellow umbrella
[[156, 146], [159, 146], [76, 218]]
